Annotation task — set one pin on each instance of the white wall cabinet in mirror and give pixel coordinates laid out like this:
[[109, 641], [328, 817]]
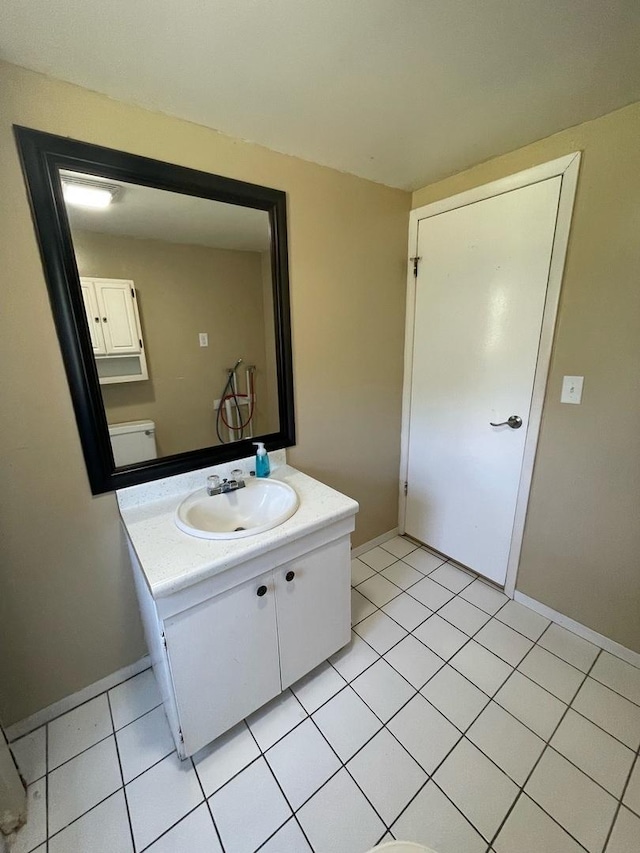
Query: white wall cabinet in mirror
[[114, 327]]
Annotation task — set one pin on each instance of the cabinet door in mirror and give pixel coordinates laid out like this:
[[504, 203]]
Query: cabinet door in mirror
[[170, 292]]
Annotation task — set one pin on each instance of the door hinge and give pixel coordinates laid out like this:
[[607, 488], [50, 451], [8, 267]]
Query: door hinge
[[140, 342], [180, 735], [406, 488], [415, 266], [133, 293], [164, 641]]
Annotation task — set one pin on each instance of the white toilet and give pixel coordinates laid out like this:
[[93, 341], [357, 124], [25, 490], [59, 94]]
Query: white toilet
[[133, 441]]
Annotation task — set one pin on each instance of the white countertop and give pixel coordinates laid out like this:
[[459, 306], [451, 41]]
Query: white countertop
[[173, 560]]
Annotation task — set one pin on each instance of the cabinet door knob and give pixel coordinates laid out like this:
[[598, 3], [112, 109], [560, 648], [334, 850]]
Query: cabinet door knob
[[290, 576], [261, 590]]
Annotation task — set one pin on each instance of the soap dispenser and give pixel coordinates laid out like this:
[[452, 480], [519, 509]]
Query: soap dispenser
[[263, 468]]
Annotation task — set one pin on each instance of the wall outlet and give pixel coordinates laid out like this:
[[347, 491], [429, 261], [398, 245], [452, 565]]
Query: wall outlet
[[203, 337], [572, 389]]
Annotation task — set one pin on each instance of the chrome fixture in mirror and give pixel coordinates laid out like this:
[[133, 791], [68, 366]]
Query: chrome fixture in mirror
[[169, 289]]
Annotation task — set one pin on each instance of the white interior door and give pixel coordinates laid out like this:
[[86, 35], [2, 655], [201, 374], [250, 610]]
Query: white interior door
[[480, 298]]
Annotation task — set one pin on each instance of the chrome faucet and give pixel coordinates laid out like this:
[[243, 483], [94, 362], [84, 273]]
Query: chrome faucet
[[217, 487]]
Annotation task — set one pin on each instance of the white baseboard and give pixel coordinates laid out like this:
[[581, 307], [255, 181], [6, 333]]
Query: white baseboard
[[23, 727], [372, 543], [581, 630]]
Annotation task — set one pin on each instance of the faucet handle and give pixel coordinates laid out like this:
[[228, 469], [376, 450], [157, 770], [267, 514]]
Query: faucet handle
[[213, 483], [238, 475]]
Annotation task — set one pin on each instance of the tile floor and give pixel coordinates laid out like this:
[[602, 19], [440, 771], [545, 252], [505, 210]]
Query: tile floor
[[455, 718]]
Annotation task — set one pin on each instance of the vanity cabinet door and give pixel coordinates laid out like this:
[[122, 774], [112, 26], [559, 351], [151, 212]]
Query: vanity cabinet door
[[119, 322], [313, 607], [223, 656], [93, 317]]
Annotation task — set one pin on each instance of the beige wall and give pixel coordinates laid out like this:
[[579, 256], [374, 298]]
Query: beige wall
[[183, 290], [581, 552], [68, 614]]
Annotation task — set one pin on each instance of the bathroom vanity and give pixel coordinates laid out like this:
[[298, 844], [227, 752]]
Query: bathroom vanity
[[231, 623]]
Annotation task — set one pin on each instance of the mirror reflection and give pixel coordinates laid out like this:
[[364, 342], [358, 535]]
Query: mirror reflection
[[178, 296]]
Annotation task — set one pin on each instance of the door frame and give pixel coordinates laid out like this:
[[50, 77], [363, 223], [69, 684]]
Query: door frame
[[567, 169]]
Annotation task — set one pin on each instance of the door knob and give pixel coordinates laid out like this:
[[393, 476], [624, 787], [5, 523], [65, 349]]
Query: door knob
[[261, 590], [515, 422], [290, 576]]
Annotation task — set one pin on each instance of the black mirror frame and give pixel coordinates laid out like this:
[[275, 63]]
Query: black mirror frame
[[42, 155]]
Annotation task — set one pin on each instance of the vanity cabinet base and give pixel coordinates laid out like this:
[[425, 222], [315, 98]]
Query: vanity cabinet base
[[224, 657]]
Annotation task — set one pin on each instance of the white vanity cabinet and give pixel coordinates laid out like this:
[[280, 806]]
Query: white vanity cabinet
[[226, 646]]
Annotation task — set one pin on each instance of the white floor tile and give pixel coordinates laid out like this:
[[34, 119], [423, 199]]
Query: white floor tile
[[34, 832], [249, 809], [484, 596], [399, 546], [361, 607], [632, 794], [414, 661], [302, 762], [346, 722], [481, 791], [453, 578], [354, 658], [618, 675], [276, 719], [143, 743], [161, 797], [626, 832], [377, 559], [569, 646], [104, 829], [423, 561], [407, 611], [523, 619], [133, 698], [612, 712], [289, 839], [556, 676], [430, 593], [531, 704], [30, 753], [456, 697], [339, 818], [77, 730], [433, 821], [402, 575], [424, 733], [360, 572], [503, 641], [440, 636], [383, 690], [506, 741], [530, 830], [574, 800], [380, 631], [227, 755], [82, 783], [595, 752], [465, 616], [379, 590], [387, 774], [317, 687], [481, 667], [194, 834]]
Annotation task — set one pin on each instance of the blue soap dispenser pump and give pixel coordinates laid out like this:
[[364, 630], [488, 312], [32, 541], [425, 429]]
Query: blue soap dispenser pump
[[263, 469]]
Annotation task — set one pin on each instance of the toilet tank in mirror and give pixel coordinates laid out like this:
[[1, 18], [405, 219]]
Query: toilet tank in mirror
[[170, 293]]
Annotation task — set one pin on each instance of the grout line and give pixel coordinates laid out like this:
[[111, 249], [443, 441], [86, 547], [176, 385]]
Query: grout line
[[620, 803], [169, 828], [207, 803], [126, 799]]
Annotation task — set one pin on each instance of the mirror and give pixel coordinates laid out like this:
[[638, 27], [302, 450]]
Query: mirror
[[169, 289]]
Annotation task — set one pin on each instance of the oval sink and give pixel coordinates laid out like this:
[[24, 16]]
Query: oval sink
[[260, 506]]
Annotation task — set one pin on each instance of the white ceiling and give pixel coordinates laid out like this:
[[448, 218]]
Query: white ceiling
[[400, 91], [152, 214]]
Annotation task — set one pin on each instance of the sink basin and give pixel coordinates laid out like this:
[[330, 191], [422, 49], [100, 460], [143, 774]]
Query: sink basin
[[260, 506]]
